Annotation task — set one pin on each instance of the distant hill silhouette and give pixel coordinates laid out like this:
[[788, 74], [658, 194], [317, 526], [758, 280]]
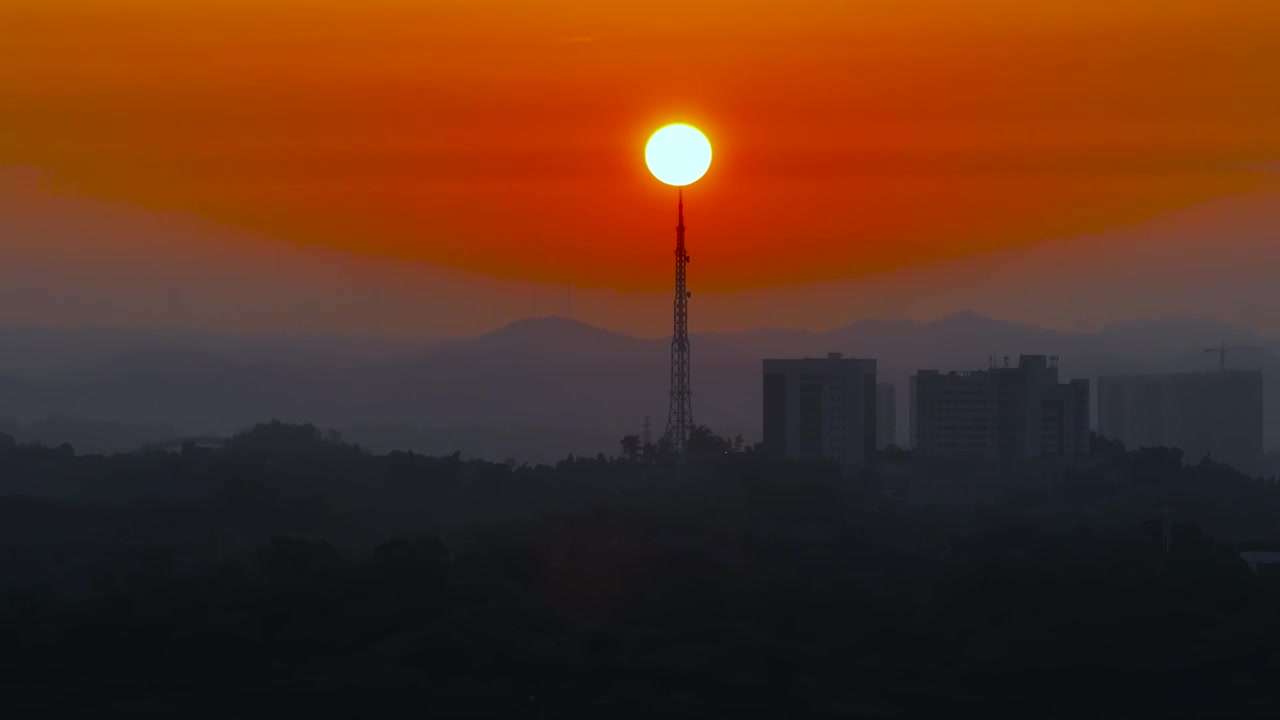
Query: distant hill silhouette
[[545, 373], [552, 337], [86, 437], [43, 351]]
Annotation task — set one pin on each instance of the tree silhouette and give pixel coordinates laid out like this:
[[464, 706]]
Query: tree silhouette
[[296, 569], [705, 445]]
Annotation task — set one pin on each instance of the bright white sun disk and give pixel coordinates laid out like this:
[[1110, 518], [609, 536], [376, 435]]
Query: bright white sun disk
[[678, 154]]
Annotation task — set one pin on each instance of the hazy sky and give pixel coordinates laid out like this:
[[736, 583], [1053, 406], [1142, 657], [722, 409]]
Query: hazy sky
[[444, 167]]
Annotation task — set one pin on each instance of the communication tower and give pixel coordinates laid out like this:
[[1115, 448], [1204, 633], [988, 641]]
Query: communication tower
[[680, 413]]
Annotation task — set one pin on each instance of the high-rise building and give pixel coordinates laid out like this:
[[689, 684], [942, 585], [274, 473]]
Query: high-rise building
[[1219, 414], [886, 415], [821, 408], [999, 415]]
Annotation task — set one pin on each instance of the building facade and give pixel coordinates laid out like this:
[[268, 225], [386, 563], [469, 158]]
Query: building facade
[[821, 408], [886, 415], [1000, 415], [1216, 414]]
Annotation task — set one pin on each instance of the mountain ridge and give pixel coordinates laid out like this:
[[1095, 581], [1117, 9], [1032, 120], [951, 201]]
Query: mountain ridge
[[559, 372]]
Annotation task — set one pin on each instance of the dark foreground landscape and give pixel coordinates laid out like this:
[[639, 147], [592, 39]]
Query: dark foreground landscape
[[288, 574]]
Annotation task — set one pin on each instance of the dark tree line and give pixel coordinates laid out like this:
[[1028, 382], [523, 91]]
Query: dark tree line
[[291, 574]]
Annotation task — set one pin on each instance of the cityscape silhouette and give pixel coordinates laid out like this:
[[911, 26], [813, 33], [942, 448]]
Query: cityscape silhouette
[[344, 371]]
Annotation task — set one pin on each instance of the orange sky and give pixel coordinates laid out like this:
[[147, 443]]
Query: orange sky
[[505, 138]]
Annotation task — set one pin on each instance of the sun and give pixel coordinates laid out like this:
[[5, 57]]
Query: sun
[[678, 154]]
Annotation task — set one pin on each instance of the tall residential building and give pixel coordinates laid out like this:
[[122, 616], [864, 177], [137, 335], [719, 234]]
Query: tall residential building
[[999, 415], [821, 408], [886, 415], [1203, 413]]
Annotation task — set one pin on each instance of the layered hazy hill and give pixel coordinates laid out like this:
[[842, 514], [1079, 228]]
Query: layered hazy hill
[[533, 390]]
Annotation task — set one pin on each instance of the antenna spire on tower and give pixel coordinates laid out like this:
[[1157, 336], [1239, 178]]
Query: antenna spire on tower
[[680, 414]]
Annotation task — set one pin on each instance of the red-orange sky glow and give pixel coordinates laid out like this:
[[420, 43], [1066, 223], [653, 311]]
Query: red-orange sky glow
[[505, 138]]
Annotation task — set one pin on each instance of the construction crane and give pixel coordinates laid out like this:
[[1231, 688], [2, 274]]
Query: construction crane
[[1222, 355]]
